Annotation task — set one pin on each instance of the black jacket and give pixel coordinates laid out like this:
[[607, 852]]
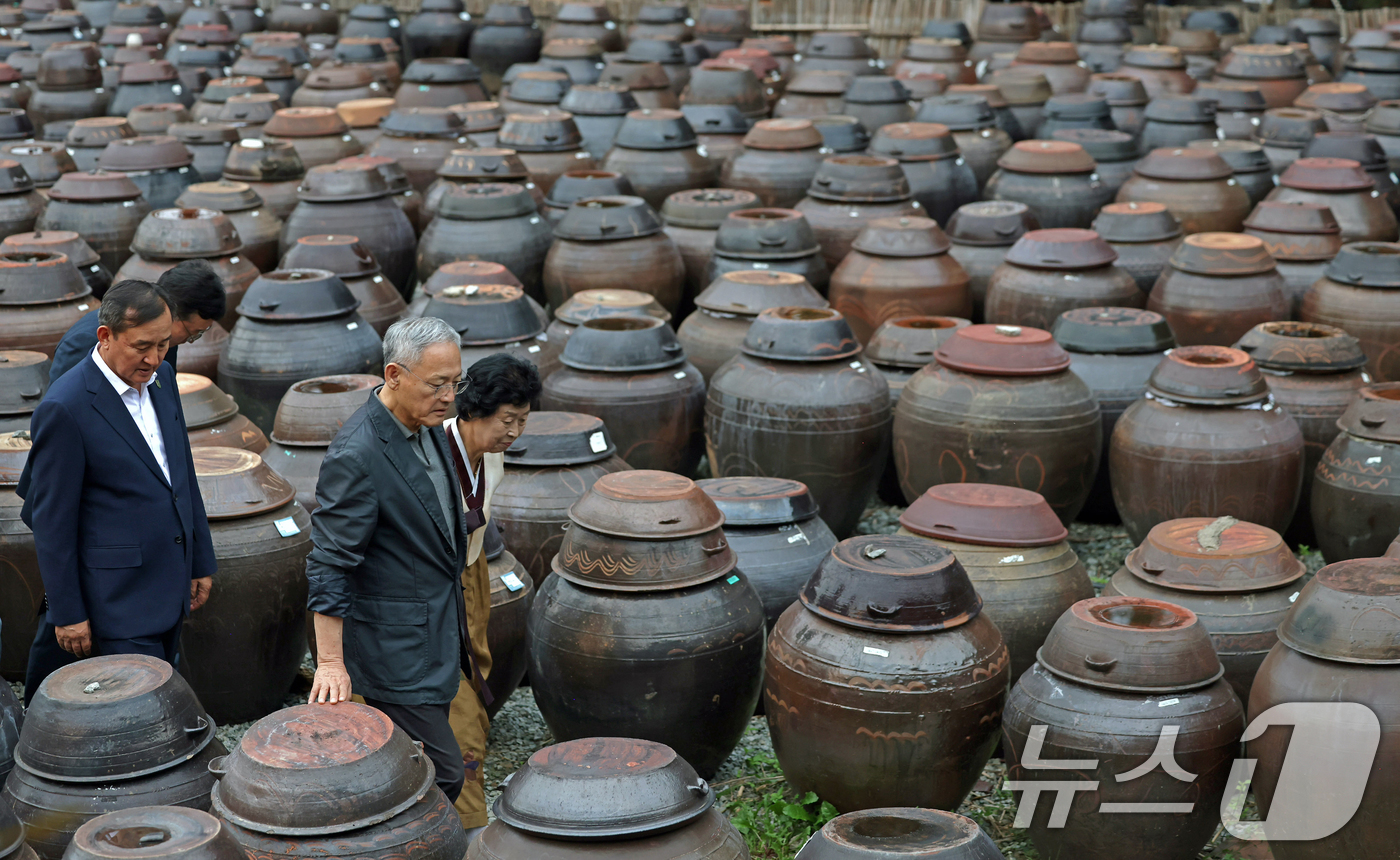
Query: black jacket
[[384, 559]]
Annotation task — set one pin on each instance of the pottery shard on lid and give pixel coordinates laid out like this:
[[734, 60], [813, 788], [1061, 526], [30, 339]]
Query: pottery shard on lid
[[1214, 555], [1002, 350], [1061, 248], [561, 439], [801, 334], [753, 501], [1326, 174], [1112, 331], [1191, 165], [893, 584], [1347, 613], [1047, 156], [1208, 376], [902, 236], [1131, 644], [985, 514], [646, 504], [1300, 346], [1222, 255]]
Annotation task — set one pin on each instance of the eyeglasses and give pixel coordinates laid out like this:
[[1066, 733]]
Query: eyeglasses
[[456, 387], [194, 336]]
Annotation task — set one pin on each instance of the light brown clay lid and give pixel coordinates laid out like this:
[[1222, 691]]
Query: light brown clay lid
[[94, 186], [1002, 350], [572, 49], [894, 584], [910, 341], [752, 501], [1188, 165], [51, 242], [994, 223], [1208, 376], [598, 304], [748, 292], [364, 113], [313, 411], [204, 132], [705, 208], [1278, 216], [1047, 52], [801, 334], [1337, 96], [1064, 248], [1331, 175], [783, 134], [1214, 555], [186, 234], [821, 83], [224, 195], [345, 256], [1154, 57], [984, 514], [990, 92], [156, 118], [1224, 255], [152, 71], [1131, 644], [488, 162], [1048, 157], [268, 68], [1302, 347], [37, 279], [1261, 62], [914, 141], [98, 131], [219, 90], [306, 122], [339, 76], [645, 504], [902, 236], [1195, 41], [138, 154], [461, 273], [395, 177], [1022, 86], [237, 483], [204, 403], [1138, 221], [1347, 613], [14, 452]]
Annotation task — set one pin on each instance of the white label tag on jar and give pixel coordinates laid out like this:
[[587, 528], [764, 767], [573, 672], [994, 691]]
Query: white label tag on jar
[[1012, 559], [82, 307], [680, 374], [878, 652], [1166, 703], [286, 527], [352, 326], [532, 348], [799, 537], [597, 442], [512, 581], [1294, 596]]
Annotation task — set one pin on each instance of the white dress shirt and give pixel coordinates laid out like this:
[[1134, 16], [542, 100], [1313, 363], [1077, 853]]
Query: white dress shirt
[[143, 411]]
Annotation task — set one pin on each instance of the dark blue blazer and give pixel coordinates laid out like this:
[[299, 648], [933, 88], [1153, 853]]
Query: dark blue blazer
[[78, 342], [117, 543]]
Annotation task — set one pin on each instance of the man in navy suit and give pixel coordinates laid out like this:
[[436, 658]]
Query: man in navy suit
[[118, 522]]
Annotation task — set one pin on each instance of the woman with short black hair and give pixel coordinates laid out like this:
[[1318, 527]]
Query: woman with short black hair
[[492, 408]]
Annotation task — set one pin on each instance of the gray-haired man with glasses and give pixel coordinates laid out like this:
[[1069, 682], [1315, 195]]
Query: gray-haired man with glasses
[[388, 546]]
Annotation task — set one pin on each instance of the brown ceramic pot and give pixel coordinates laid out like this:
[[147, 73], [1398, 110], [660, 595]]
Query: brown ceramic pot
[[714, 333], [1195, 185], [849, 190], [1048, 272], [1217, 286], [1357, 295], [1346, 189], [980, 234], [605, 241], [1143, 234]]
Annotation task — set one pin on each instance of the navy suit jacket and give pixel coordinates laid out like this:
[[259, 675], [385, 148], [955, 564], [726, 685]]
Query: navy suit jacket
[[117, 543], [78, 342]]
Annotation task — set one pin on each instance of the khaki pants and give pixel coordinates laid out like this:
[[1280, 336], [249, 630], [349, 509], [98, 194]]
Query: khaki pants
[[468, 716]]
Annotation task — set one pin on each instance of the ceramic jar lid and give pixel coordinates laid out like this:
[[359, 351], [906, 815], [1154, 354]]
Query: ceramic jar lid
[[203, 133], [893, 584], [1118, 90], [1364, 149], [154, 71], [256, 160], [1214, 555], [313, 410], [540, 87], [1261, 62], [664, 51], [13, 179], [1233, 96], [220, 90], [766, 234], [1154, 57], [1242, 156], [236, 483], [876, 89], [223, 195], [1188, 165], [297, 295], [1375, 414], [306, 122], [900, 833], [441, 70], [649, 789], [1330, 175], [342, 183], [486, 201], [643, 504], [655, 130], [32, 278], [577, 184], [1221, 21], [748, 502], [1365, 264], [841, 133], [914, 141], [1022, 86], [910, 341], [1048, 157], [425, 122], [490, 163], [561, 439], [555, 131], [800, 334], [1002, 350], [984, 514], [705, 208], [186, 234], [480, 116], [623, 344], [783, 134], [24, 377], [589, 49], [487, 314], [1136, 222], [1182, 109], [600, 100], [1291, 128], [708, 119], [52, 242], [1131, 644], [1064, 248], [1224, 255], [337, 75], [461, 273], [598, 304], [958, 111], [1337, 96], [608, 219], [1112, 331], [1101, 144], [902, 236], [1277, 216], [98, 131], [1077, 106], [859, 179], [821, 82], [1208, 376], [748, 292], [1303, 347], [344, 256], [991, 223], [140, 154], [1347, 613]]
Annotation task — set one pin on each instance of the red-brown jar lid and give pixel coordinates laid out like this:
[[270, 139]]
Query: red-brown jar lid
[[185, 234], [9, 74], [1208, 376], [1132, 644], [1337, 96], [306, 122], [1223, 255], [94, 186], [37, 278], [1047, 156], [985, 514], [98, 131], [1347, 613], [153, 71], [339, 76], [1365, 264], [1190, 165], [364, 113], [749, 292], [910, 341], [1332, 175], [1064, 248], [783, 134], [644, 504], [1047, 52], [1112, 331], [902, 236], [893, 584], [1002, 350], [342, 183], [1154, 57], [1261, 62], [561, 439], [1137, 221], [752, 501], [136, 154], [1296, 216], [914, 141], [344, 256], [1214, 555], [1302, 347]]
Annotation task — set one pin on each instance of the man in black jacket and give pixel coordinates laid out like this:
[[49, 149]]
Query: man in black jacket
[[388, 545]]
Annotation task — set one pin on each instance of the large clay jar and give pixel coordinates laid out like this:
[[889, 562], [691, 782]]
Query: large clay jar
[[489, 221], [632, 373], [778, 162], [274, 170], [1284, 132], [1126, 97], [578, 184], [354, 200], [1048, 272], [550, 144], [318, 134], [1058, 61], [24, 380], [20, 204], [1205, 440], [1249, 162], [44, 161], [667, 808], [929, 55], [41, 297], [104, 208], [1058, 180], [242, 655], [898, 267], [1160, 68], [773, 528], [770, 240], [888, 642], [306, 19], [582, 58], [307, 420], [594, 304], [940, 179], [213, 419], [1301, 237], [1353, 498], [257, 225], [22, 588], [647, 604], [877, 100], [1015, 552], [549, 468], [1276, 69], [1143, 234], [599, 110], [692, 221], [534, 92], [88, 137], [420, 139], [512, 595], [1040, 432], [440, 28], [1314, 372], [1365, 150], [1114, 350], [167, 236], [849, 190], [440, 80], [1196, 186], [66, 242], [812, 94], [758, 398], [507, 35], [1384, 123], [294, 324], [1342, 186], [122, 773], [1334, 647], [715, 332], [657, 151], [472, 166], [1115, 676], [160, 166], [68, 85], [1358, 295], [1239, 578], [1217, 286], [606, 241], [381, 305], [922, 832], [974, 127], [980, 233], [1239, 107]]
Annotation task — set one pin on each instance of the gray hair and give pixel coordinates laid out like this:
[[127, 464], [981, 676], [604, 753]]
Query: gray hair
[[406, 340]]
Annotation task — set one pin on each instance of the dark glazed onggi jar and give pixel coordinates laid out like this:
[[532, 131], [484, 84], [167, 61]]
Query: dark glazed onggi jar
[[612, 242], [1196, 185], [887, 644], [1057, 179], [980, 234], [847, 192], [1048, 272], [1206, 440], [1217, 286], [715, 331], [1040, 431], [1144, 234], [1353, 494], [1360, 294]]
